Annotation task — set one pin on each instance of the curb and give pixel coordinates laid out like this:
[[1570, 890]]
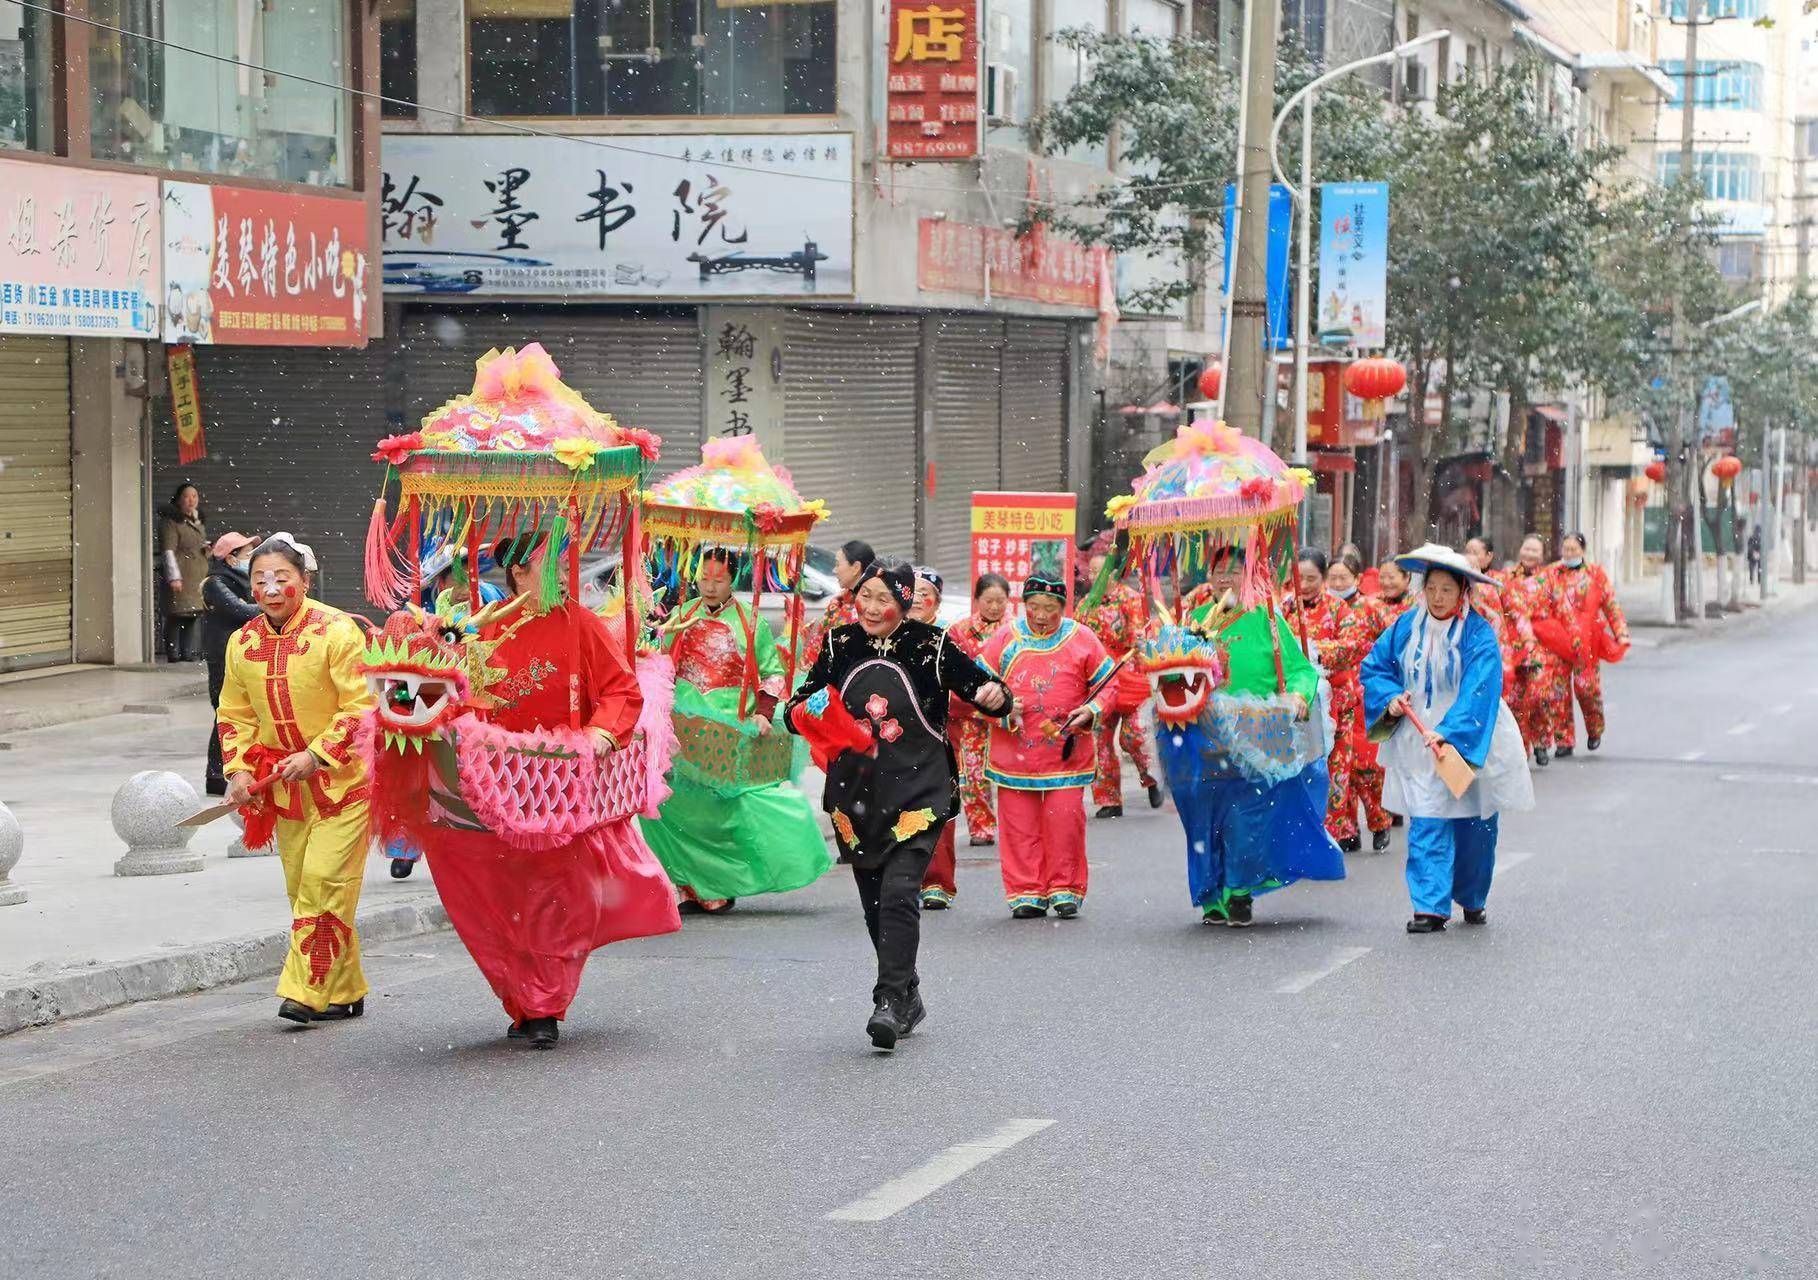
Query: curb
[[74, 993], [1731, 624], [50, 716]]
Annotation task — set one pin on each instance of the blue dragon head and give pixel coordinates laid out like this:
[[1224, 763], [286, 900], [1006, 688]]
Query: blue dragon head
[[1183, 667]]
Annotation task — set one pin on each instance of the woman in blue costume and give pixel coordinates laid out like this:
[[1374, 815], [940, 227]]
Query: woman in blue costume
[[1441, 660], [1249, 829]]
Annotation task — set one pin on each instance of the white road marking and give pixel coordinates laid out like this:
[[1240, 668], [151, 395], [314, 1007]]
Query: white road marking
[[927, 1178], [1790, 779], [1341, 957], [1737, 730], [1509, 861], [1780, 709], [1691, 756]]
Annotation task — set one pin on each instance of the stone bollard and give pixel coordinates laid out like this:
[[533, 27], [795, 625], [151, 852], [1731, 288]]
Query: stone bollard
[[238, 848], [147, 808], [12, 844]]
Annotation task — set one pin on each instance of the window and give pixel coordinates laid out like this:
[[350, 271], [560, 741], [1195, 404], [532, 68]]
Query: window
[[651, 57], [157, 106], [25, 80], [1068, 66], [398, 57], [1725, 175], [1157, 18], [1306, 21], [1010, 42], [1720, 85], [1739, 261]]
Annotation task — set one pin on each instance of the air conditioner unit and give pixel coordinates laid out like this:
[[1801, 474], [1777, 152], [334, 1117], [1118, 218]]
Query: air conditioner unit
[[1000, 93], [1416, 83]]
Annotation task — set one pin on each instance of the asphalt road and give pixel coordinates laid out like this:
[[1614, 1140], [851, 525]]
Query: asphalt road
[[1616, 1077]]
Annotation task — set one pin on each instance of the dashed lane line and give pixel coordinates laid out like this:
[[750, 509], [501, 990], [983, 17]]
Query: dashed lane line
[[1691, 757], [1509, 861], [1341, 956], [927, 1178], [1737, 730]]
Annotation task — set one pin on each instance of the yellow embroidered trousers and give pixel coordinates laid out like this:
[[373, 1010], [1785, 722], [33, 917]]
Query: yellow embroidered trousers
[[324, 866]]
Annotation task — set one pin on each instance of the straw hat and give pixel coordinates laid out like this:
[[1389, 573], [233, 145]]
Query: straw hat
[[1435, 556]]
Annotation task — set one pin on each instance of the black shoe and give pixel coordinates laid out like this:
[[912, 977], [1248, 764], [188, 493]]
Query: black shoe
[[935, 900], [1540, 757], [1111, 811], [689, 907], [981, 842], [542, 1033], [296, 1011], [515, 1031], [1155, 795], [339, 1012], [1594, 741], [1066, 910], [1350, 844], [884, 1028], [1427, 924], [1379, 841], [1238, 911], [1396, 820], [1479, 916], [720, 907], [1563, 753], [913, 1013], [1026, 912], [402, 867]]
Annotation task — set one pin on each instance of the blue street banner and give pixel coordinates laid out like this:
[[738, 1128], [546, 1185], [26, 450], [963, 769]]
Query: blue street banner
[[1281, 222], [1353, 307]]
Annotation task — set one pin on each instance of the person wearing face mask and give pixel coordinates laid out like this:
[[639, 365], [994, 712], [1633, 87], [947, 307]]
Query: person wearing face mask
[[1042, 758], [971, 732], [1440, 661], [890, 802], [228, 604], [1530, 594], [292, 697], [1600, 634], [1337, 634], [735, 825]]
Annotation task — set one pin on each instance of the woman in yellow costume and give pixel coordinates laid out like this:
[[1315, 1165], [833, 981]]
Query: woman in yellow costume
[[291, 700]]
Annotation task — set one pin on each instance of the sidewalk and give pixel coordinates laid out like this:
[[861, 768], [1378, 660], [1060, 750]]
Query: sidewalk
[[1640, 601], [33, 699]]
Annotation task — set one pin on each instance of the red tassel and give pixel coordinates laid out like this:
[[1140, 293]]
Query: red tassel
[[385, 585]]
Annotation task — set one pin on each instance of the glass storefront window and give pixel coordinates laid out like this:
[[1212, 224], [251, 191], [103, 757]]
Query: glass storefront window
[[398, 58], [25, 80], [651, 57], [160, 107]]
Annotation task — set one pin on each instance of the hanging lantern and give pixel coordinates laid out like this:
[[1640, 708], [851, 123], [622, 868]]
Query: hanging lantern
[[1727, 468], [1210, 382], [1656, 471], [1374, 381]]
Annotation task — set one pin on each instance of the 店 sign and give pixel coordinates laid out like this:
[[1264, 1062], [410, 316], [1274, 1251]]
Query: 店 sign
[[690, 216], [261, 268], [931, 91], [78, 252], [1354, 264], [953, 257], [1023, 536]]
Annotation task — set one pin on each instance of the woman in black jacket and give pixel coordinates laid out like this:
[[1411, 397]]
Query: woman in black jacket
[[227, 606]]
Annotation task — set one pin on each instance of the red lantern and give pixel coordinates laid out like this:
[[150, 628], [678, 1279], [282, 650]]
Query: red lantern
[[1377, 378], [1656, 471], [1210, 381], [1727, 468]]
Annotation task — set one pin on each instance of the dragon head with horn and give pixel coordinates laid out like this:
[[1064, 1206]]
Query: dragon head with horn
[[426, 669]]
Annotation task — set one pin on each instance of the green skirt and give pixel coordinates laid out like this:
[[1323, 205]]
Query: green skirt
[[738, 845]]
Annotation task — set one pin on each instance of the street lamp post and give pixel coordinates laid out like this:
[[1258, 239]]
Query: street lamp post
[[1304, 207]]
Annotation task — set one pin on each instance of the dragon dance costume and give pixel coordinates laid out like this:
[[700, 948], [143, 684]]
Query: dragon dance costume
[[299, 688], [736, 825]]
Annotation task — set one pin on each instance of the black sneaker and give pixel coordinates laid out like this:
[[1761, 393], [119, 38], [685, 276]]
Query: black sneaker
[[542, 1033], [1027, 912], [1111, 811], [914, 1011], [402, 867], [1563, 753], [1155, 795], [1541, 755], [296, 1011], [1479, 916], [1350, 844], [1427, 924], [884, 1028], [1238, 909], [1592, 742], [1379, 841]]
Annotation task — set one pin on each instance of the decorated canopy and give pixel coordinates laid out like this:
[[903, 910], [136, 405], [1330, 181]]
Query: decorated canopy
[[735, 497]]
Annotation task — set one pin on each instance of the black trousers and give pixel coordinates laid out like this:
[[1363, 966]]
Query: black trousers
[[214, 782], [182, 636], [890, 890]]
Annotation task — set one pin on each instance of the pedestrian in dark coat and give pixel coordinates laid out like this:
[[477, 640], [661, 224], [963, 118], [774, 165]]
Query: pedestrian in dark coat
[[228, 603]]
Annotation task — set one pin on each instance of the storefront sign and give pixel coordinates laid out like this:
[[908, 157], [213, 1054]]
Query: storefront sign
[[680, 216], [952, 257], [1354, 264], [262, 268], [78, 252], [932, 90], [1024, 535], [744, 371], [186, 402]]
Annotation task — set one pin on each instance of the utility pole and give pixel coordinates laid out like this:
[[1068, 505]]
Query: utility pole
[[1250, 370], [1678, 474]]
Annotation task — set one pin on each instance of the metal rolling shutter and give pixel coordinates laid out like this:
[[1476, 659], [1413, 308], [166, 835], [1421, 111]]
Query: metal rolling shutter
[[1035, 406], [36, 549], [642, 367], [968, 377], [849, 420], [290, 436]]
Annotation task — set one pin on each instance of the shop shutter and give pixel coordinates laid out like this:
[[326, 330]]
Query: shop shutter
[[1035, 408], [36, 551], [849, 423], [968, 377], [641, 366], [290, 436]]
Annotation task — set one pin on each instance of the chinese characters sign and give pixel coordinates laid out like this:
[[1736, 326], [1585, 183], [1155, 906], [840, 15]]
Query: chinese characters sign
[[1354, 264], [744, 397], [260, 268], [696, 216], [1024, 535], [186, 402], [952, 257], [78, 252], [932, 91]]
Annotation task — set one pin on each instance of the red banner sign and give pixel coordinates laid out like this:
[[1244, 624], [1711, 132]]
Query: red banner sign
[[932, 92], [952, 257], [186, 402], [263, 268]]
